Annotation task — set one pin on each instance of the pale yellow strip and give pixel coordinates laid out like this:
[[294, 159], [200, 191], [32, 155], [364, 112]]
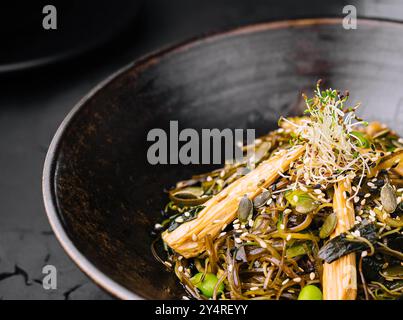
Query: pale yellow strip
[[340, 276], [188, 238]]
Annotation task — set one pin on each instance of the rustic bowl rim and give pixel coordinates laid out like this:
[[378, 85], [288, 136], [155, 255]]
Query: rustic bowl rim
[[140, 64]]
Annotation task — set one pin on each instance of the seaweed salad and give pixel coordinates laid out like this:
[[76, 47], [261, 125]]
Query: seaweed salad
[[315, 213]]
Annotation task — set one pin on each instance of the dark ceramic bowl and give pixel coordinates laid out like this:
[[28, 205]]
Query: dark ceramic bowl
[[102, 197]]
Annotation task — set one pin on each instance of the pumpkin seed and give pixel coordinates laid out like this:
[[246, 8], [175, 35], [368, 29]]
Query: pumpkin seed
[[381, 133], [328, 226], [245, 209], [262, 151], [261, 199], [393, 272], [388, 198], [301, 200], [297, 250], [190, 196]]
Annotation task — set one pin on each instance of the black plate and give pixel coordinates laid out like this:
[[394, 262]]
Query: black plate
[[101, 195]]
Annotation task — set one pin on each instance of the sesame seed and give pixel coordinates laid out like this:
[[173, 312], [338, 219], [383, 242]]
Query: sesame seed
[[230, 267], [179, 219], [209, 178], [286, 211], [364, 254], [167, 263], [367, 195], [354, 188], [350, 237], [254, 288], [185, 298], [370, 184], [180, 268], [180, 258], [236, 226], [285, 281], [274, 196], [358, 218], [304, 189], [263, 244], [222, 234], [237, 240], [372, 213], [250, 223], [288, 237], [282, 227], [317, 191], [224, 226], [363, 202], [400, 190], [295, 198], [356, 233], [269, 201], [158, 226], [312, 275], [356, 199], [298, 279]]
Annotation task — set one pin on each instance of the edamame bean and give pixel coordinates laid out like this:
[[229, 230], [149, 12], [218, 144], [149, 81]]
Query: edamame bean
[[206, 286], [310, 292]]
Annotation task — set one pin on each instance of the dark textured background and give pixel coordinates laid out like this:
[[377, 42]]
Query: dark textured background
[[33, 103]]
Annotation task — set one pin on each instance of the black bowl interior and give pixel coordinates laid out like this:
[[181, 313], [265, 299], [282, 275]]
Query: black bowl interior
[[107, 196]]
